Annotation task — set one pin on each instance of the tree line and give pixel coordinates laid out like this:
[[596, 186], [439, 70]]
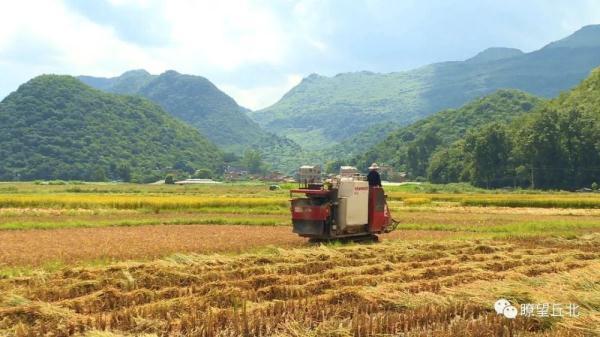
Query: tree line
[[556, 147]]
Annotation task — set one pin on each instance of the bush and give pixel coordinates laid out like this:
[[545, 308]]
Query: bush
[[169, 179], [595, 186], [203, 173]]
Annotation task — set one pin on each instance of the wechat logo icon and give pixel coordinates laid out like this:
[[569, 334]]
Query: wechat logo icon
[[503, 307]]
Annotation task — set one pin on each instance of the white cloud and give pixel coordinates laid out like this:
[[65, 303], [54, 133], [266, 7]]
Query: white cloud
[[224, 34], [206, 37], [78, 45], [140, 3], [268, 38]]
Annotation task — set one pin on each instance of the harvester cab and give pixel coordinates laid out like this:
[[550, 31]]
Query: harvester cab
[[341, 207]]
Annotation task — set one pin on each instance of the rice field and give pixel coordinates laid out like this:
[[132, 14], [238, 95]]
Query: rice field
[[154, 202], [571, 200], [131, 260], [389, 289]]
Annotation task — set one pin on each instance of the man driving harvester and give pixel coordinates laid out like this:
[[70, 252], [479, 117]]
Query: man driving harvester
[[373, 177], [344, 207]]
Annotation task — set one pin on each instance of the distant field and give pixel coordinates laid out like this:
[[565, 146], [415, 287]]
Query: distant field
[[221, 260], [34, 206]]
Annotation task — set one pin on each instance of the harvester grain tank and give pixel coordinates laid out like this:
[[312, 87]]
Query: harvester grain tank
[[341, 207]]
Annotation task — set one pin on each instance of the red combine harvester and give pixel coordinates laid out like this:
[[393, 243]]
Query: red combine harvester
[[344, 207]]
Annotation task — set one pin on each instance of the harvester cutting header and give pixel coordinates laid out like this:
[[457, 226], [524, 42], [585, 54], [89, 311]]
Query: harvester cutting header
[[345, 206]]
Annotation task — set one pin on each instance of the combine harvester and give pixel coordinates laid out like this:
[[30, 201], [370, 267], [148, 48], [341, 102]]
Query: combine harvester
[[341, 208]]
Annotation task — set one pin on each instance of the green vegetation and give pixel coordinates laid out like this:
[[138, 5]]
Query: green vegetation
[[494, 54], [324, 110], [169, 179], [343, 152], [562, 228], [558, 146], [198, 102], [185, 219], [410, 148], [532, 202], [128, 83], [55, 127], [418, 207]]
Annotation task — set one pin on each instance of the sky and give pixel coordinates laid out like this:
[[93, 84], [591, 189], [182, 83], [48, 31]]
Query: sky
[[256, 51]]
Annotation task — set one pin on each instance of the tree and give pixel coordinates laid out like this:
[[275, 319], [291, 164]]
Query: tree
[[99, 174], [420, 150], [183, 165], [538, 148], [447, 165], [578, 133], [488, 152], [124, 172], [333, 166], [203, 173], [252, 161], [230, 157], [169, 179]]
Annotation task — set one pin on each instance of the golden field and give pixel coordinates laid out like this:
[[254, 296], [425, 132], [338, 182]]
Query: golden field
[[131, 260]]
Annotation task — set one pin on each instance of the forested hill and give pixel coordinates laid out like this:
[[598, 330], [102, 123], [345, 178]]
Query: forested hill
[[324, 110], [556, 146], [56, 127], [409, 148], [198, 102], [130, 82], [193, 99]]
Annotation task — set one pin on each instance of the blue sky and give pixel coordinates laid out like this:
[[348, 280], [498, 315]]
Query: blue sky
[[257, 50]]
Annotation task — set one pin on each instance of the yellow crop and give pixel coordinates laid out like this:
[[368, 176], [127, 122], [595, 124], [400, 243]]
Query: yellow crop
[[134, 201]]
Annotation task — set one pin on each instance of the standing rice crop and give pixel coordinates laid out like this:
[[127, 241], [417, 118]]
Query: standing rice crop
[[134, 201]]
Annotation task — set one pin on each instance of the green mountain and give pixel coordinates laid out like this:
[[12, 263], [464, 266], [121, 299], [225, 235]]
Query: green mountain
[[410, 147], [128, 83], [354, 146], [586, 37], [494, 54], [557, 146], [193, 99], [56, 127], [325, 110], [198, 102], [585, 97]]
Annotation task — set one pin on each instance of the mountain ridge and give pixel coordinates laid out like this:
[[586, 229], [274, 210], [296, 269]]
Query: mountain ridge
[[444, 127], [193, 99], [586, 36], [335, 108], [200, 103], [494, 53]]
